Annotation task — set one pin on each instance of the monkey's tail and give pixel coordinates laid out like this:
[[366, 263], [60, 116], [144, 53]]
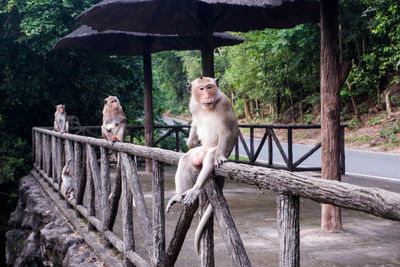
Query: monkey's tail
[[200, 228]]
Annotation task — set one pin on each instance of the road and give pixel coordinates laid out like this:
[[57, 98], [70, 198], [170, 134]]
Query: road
[[358, 163]]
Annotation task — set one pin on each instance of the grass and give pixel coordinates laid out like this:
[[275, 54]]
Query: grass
[[360, 140]]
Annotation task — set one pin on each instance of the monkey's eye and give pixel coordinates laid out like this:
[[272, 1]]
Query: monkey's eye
[[209, 86], [201, 88]]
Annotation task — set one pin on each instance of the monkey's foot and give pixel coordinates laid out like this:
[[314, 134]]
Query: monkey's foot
[[173, 200], [219, 161], [191, 195]]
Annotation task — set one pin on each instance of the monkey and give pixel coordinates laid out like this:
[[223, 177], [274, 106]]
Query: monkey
[[214, 124], [114, 120], [61, 123], [66, 185]]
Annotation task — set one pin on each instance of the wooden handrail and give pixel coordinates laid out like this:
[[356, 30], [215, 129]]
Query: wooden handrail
[[49, 157]]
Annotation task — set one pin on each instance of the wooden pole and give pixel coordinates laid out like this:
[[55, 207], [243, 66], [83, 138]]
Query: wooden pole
[[330, 108], [288, 209], [148, 105], [158, 213]]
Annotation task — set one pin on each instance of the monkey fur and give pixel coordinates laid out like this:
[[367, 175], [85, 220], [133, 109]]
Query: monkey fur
[[114, 120], [215, 126], [61, 123], [67, 188]]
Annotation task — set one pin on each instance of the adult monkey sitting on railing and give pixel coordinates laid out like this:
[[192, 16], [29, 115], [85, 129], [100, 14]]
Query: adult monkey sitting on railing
[[215, 126], [114, 120]]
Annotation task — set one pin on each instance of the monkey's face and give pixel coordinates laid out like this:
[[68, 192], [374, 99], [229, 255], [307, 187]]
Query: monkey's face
[[204, 90], [112, 103], [60, 108]]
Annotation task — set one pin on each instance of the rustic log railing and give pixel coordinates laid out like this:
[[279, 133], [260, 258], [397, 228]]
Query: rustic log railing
[[51, 149], [251, 151]]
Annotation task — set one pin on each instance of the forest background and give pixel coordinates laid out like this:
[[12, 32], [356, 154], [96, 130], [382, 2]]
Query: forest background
[[273, 77]]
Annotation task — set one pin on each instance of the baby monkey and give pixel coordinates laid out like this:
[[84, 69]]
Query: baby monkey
[[214, 124], [114, 120], [66, 186], [61, 123]]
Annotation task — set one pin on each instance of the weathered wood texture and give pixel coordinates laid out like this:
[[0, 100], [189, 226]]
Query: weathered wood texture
[[288, 209], [148, 105], [228, 228], [158, 213], [115, 196], [127, 214], [105, 188], [290, 186], [376, 201], [91, 209], [79, 175], [330, 106], [133, 184], [176, 242]]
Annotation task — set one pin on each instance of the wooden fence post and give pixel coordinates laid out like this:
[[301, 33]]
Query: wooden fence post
[[59, 160], [79, 176], [53, 159], [288, 209], [158, 213], [48, 155], [127, 213], [91, 209], [143, 215], [105, 190], [115, 196], [69, 154], [228, 228]]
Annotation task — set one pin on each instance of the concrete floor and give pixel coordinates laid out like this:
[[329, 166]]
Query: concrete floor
[[366, 240]]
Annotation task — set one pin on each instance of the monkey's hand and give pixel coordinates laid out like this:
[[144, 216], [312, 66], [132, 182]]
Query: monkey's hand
[[219, 160], [173, 200], [191, 143], [191, 195], [111, 126]]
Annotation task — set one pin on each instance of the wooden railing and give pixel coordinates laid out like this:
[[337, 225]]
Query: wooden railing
[[51, 149], [249, 149]]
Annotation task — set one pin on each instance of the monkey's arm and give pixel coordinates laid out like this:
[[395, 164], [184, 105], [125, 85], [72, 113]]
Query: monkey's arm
[[193, 138], [66, 126], [120, 135], [223, 148]]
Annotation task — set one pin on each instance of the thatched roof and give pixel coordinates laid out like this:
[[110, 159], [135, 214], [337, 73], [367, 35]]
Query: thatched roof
[[191, 16], [131, 43]]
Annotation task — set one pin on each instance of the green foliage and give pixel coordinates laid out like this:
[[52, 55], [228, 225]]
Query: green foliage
[[14, 159], [389, 132], [375, 120], [354, 123]]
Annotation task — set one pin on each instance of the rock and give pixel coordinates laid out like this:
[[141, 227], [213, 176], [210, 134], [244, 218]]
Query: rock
[[40, 236]]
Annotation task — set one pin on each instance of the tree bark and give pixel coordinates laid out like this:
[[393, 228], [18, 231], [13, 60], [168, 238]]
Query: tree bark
[[330, 107], [246, 108]]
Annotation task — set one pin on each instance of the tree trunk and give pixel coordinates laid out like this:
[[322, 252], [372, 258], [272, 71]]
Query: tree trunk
[[388, 104], [246, 108], [353, 102], [330, 107]]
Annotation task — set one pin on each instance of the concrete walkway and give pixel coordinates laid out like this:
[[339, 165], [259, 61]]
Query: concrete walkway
[[365, 241]]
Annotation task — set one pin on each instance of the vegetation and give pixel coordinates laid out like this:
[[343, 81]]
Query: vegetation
[[272, 77]]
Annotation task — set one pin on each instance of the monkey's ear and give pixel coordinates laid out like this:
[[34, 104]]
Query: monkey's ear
[[105, 101], [201, 77], [189, 86], [217, 81]]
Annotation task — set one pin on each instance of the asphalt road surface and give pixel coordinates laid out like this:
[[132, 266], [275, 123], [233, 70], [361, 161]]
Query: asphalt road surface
[[359, 163]]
